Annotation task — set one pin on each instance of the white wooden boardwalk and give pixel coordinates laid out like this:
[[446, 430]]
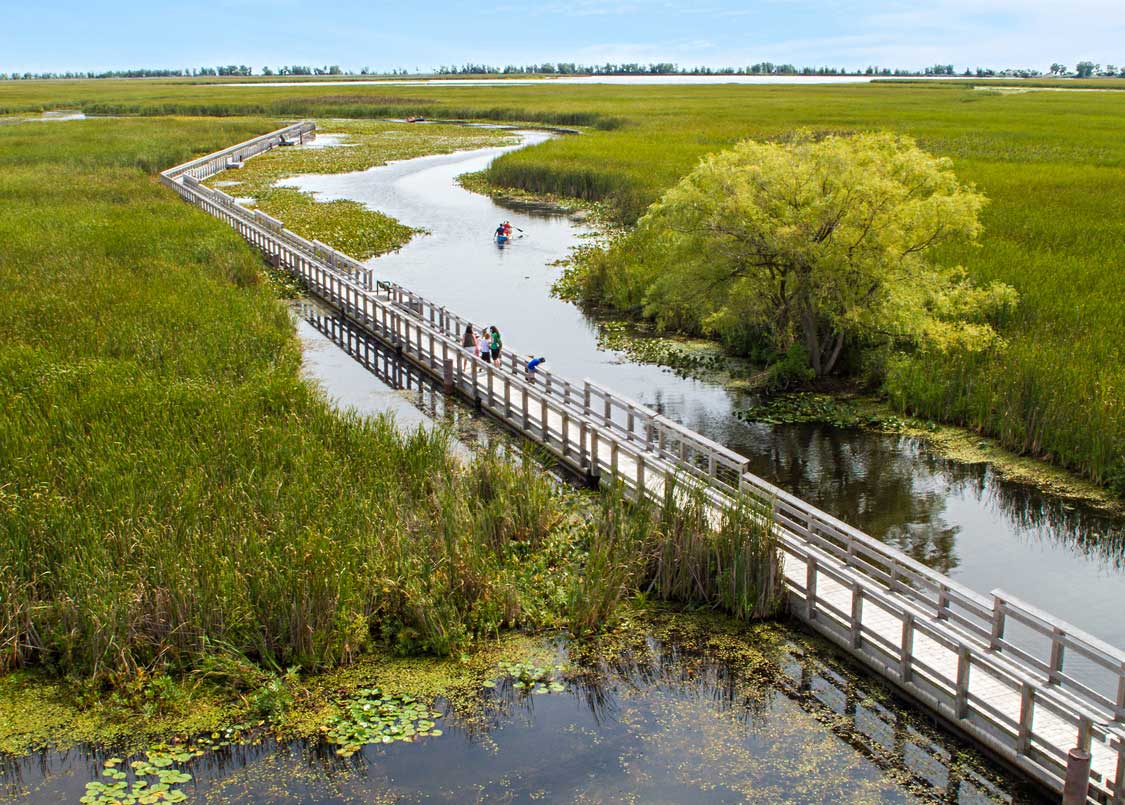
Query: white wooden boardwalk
[[1028, 693]]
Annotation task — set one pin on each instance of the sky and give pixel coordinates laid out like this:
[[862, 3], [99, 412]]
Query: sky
[[99, 35]]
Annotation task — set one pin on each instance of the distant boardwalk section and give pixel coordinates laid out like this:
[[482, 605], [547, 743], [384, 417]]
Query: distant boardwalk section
[[1022, 683]]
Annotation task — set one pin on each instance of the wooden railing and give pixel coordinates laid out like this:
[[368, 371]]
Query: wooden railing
[[944, 644]]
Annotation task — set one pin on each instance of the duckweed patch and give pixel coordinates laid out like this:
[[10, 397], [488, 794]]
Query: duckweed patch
[[150, 780], [789, 409], [373, 717], [684, 357], [530, 678]]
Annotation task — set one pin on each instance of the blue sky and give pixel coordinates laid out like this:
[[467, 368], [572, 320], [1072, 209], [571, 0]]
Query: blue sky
[[108, 34]]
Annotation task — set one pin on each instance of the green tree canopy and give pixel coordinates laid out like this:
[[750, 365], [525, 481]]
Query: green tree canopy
[[813, 242]]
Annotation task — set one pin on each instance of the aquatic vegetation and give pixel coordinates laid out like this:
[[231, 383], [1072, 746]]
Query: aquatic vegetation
[[684, 357], [153, 780], [374, 717], [345, 225], [531, 678], [788, 409], [669, 700]]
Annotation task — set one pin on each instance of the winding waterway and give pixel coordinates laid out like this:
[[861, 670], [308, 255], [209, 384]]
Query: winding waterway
[[962, 519]]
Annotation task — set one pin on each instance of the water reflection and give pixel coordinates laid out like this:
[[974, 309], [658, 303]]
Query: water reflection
[[681, 708]]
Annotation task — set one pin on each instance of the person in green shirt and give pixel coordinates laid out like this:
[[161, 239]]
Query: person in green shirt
[[496, 343]]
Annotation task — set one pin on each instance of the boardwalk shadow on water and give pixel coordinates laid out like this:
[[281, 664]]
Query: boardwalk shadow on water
[[681, 708]]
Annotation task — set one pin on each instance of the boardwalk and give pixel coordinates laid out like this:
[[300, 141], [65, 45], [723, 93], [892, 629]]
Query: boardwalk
[[1024, 684]]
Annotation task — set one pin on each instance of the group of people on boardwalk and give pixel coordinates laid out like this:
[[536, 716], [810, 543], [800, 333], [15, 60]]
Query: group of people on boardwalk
[[488, 346]]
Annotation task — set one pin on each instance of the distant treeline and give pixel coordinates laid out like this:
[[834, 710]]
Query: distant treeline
[[1084, 69], [761, 68]]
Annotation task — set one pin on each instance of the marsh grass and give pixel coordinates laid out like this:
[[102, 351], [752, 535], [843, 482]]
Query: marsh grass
[[676, 551]]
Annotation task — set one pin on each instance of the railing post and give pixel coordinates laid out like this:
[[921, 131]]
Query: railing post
[[998, 617], [1119, 776], [1055, 666], [1077, 782], [810, 587], [961, 691], [943, 602], [1085, 728], [586, 397], [1027, 704], [857, 616], [906, 647], [1120, 709], [447, 376]]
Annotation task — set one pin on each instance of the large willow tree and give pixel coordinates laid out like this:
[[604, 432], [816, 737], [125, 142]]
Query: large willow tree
[[815, 242]]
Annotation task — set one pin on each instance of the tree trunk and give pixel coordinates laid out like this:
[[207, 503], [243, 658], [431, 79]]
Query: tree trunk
[[836, 348], [812, 340]]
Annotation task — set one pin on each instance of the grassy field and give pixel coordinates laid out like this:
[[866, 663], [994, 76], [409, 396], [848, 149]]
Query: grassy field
[[173, 494], [1051, 162]]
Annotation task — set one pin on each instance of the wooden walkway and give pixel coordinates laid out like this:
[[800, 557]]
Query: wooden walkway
[[1024, 684]]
